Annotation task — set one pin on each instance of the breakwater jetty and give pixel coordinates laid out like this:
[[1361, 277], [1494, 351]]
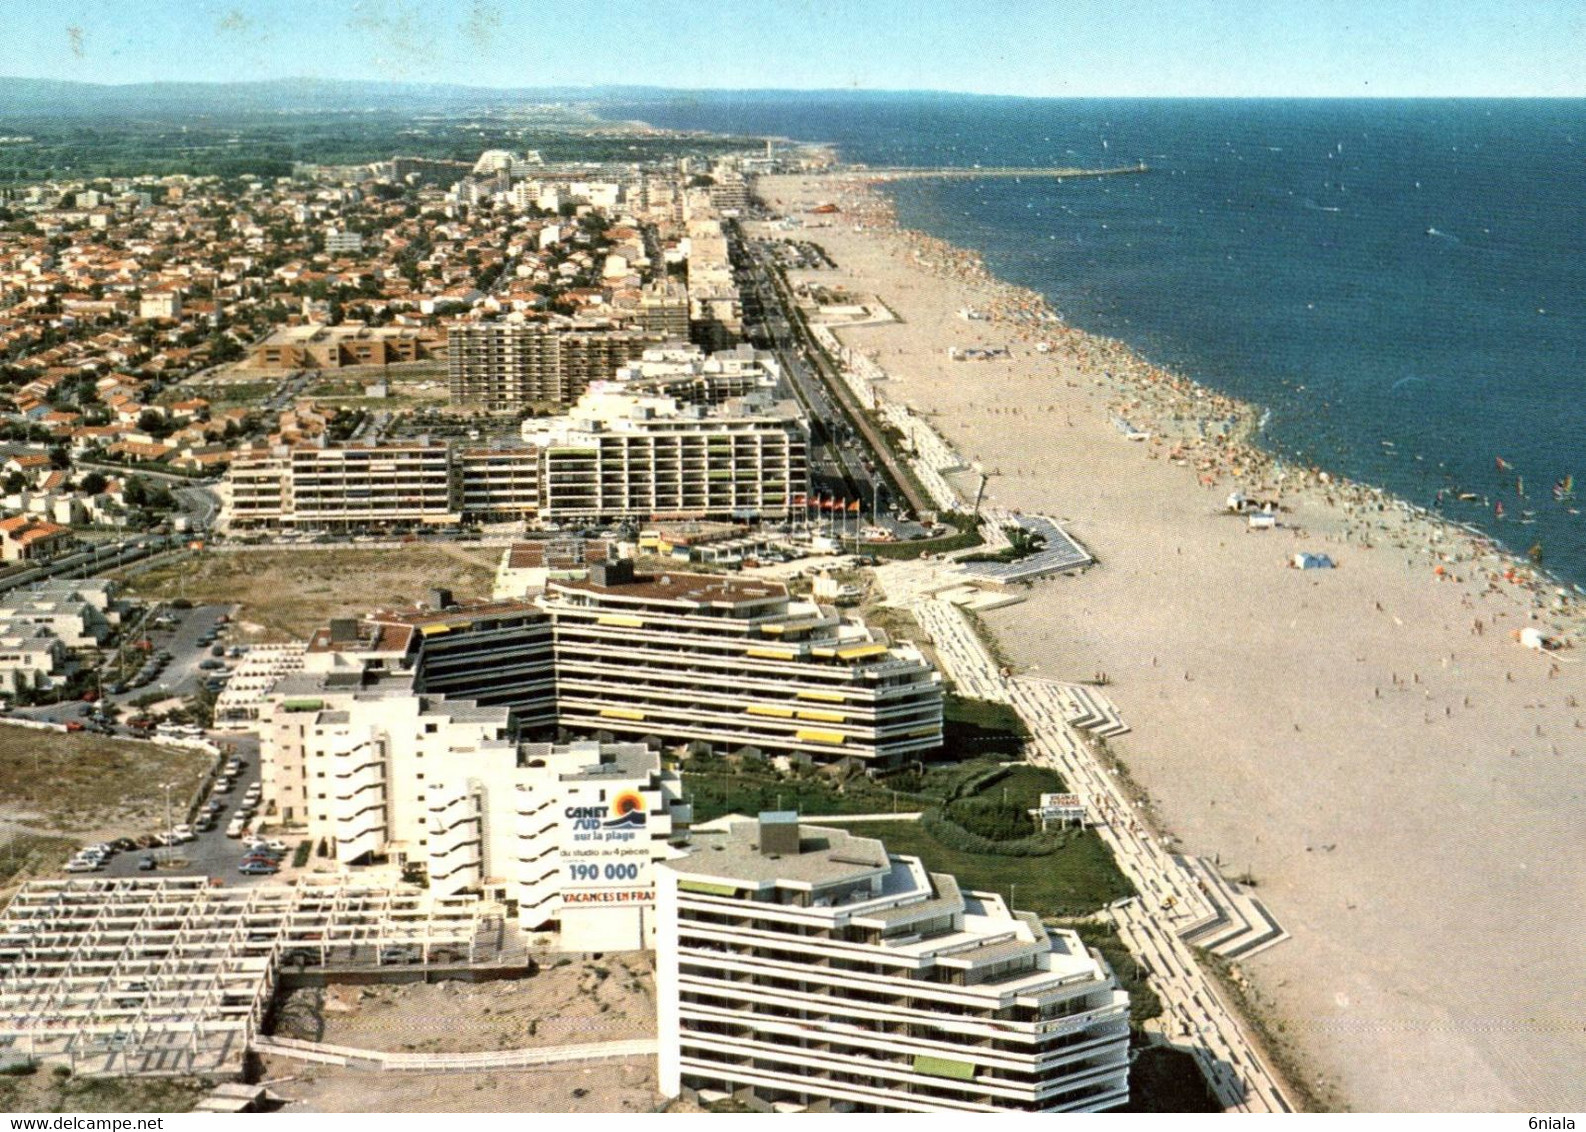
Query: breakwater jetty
[[965, 172]]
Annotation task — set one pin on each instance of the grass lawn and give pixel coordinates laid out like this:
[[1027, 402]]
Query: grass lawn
[[1075, 880], [287, 594], [80, 782], [723, 789]]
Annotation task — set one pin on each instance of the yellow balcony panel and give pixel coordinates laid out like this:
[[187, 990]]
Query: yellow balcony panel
[[435, 630], [770, 654], [823, 716], [768, 710], [823, 697], [624, 620], [621, 713], [810, 735], [856, 652]]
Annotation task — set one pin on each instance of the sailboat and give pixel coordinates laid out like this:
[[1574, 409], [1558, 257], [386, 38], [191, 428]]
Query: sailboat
[[1564, 489]]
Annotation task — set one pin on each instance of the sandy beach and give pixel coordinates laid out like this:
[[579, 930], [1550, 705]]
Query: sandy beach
[[1402, 779]]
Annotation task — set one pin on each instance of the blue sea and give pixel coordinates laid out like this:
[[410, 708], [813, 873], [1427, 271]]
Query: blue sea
[[1402, 284]]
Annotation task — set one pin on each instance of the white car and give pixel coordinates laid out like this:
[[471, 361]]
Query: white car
[[78, 865], [183, 834]]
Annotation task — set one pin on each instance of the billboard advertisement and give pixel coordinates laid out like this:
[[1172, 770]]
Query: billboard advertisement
[[606, 852]]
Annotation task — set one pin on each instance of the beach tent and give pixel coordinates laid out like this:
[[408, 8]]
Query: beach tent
[[1312, 562]]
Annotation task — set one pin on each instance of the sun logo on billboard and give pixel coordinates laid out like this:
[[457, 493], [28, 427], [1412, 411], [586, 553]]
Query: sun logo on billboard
[[627, 811]]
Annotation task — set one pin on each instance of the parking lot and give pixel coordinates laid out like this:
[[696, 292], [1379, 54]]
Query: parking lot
[[211, 853], [181, 641]]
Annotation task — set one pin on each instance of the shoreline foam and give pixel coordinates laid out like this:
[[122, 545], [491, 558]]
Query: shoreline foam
[[1360, 741]]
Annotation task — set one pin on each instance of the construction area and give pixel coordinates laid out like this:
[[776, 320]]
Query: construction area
[[174, 976]]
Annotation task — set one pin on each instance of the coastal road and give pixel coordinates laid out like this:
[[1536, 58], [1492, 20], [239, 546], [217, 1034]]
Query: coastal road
[[862, 452]]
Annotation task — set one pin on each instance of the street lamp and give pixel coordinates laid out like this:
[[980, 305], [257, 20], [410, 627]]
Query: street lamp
[[166, 786]]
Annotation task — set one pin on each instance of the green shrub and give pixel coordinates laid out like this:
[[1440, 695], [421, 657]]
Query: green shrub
[[992, 819], [955, 836], [975, 783], [300, 855]]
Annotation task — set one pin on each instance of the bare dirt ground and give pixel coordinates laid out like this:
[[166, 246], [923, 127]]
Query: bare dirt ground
[[579, 1001], [627, 1086], [585, 1000], [287, 594], [82, 783]]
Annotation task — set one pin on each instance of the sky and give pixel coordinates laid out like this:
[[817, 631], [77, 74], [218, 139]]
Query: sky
[[1040, 48]]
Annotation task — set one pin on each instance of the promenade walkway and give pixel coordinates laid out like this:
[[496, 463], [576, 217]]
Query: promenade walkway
[[1171, 902]]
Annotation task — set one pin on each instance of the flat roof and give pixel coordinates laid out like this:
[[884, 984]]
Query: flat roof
[[825, 856], [695, 589]]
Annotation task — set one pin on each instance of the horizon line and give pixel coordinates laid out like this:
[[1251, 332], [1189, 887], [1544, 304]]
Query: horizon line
[[595, 89]]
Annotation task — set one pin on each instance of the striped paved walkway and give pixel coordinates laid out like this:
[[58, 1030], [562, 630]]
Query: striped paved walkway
[[1169, 901]]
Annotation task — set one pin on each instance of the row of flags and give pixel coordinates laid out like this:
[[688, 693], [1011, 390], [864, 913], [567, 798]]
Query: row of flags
[[823, 502]]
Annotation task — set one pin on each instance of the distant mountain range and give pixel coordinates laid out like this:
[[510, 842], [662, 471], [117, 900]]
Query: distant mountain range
[[55, 98], [36, 98]]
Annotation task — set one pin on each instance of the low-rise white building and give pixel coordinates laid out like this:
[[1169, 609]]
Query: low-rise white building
[[28, 660]]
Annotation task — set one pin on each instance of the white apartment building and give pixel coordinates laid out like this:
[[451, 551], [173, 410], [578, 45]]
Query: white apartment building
[[624, 454], [735, 663], [816, 969], [569, 833], [499, 484], [356, 485], [347, 486]]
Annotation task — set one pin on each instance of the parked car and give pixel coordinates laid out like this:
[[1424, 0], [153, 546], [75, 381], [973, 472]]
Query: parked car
[[78, 865], [147, 863], [257, 869], [400, 955]]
